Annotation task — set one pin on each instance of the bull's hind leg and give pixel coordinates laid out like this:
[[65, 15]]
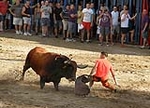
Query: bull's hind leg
[[42, 82]]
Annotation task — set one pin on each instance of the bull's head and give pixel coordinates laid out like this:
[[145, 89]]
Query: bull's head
[[66, 67]]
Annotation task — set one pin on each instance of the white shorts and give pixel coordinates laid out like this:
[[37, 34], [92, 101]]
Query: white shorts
[[65, 24], [27, 20], [17, 21]]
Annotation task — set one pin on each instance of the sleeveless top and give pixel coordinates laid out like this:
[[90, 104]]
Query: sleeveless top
[[27, 11]]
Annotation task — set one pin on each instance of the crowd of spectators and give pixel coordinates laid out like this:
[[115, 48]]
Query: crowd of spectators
[[55, 19]]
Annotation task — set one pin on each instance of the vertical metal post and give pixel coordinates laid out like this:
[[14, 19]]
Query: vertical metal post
[[106, 2], [84, 3], [114, 2], [76, 4], [138, 20], [99, 1], [122, 2]]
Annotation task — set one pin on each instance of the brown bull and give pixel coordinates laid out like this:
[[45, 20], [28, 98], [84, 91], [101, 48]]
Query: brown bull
[[51, 67]]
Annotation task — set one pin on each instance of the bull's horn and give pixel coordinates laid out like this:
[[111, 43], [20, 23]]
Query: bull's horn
[[82, 66], [67, 61]]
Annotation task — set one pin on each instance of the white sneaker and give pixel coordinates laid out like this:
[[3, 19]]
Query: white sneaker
[[142, 47], [17, 32], [29, 34], [25, 34], [20, 32], [73, 40], [68, 40]]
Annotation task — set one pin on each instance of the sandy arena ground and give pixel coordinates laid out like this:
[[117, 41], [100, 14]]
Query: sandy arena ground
[[131, 65]]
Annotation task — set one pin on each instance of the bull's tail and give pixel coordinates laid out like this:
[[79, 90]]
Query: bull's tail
[[26, 66]]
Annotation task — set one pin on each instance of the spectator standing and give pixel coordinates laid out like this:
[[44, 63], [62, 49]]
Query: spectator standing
[[3, 11], [79, 20], [125, 17], [7, 22], [94, 20], [45, 18], [115, 24], [87, 21], [51, 27], [71, 22], [144, 30], [57, 19], [65, 18], [37, 15], [105, 24], [26, 13], [16, 10]]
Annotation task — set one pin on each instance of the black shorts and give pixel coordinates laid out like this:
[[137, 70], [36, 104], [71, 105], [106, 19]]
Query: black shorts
[[124, 30]]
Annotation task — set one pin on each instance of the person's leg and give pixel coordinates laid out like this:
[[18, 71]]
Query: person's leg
[[131, 36], [106, 84], [56, 29], [1, 26], [82, 35], [122, 38], [60, 26], [102, 31], [88, 31]]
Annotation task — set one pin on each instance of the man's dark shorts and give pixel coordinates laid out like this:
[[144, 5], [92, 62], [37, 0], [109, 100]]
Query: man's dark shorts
[[45, 22]]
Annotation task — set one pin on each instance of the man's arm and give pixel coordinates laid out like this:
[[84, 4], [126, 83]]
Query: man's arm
[[94, 69], [112, 73]]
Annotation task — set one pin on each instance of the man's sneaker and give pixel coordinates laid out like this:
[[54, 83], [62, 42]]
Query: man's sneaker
[[20, 32], [87, 41], [29, 34], [142, 47], [68, 40], [25, 34], [17, 32], [107, 44], [73, 40], [100, 44]]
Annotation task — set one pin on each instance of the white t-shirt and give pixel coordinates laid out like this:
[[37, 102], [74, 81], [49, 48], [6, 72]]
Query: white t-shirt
[[87, 15], [115, 16], [125, 23]]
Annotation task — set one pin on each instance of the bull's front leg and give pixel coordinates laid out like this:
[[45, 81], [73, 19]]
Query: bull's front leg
[[56, 83], [42, 82]]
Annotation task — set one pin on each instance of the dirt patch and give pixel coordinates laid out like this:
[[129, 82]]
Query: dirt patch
[[131, 65]]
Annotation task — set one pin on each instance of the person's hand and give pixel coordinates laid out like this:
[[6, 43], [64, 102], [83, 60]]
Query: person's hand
[[14, 15], [72, 15], [28, 15]]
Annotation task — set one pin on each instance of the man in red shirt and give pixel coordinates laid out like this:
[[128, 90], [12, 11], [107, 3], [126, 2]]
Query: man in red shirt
[[3, 10], [100, 72]]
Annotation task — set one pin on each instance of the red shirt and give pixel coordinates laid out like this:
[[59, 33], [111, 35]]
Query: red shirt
[[3, 7], [103, 67]]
